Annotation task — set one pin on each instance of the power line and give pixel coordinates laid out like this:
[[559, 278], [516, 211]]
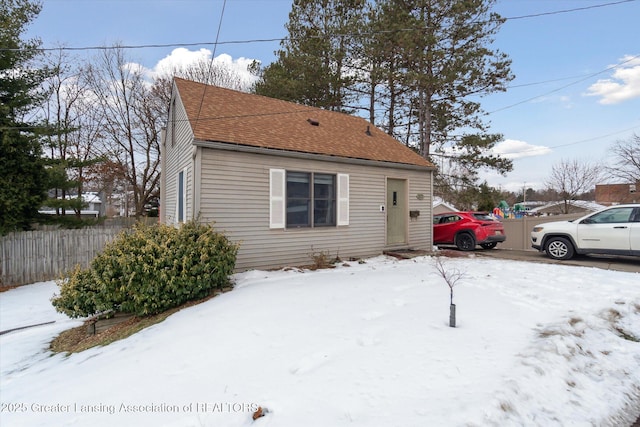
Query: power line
[[567, 85], [213, 54], [531, 150], [576, 9], [281, 39]]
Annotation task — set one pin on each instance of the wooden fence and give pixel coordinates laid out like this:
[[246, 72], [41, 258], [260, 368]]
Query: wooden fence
[[36, 256]]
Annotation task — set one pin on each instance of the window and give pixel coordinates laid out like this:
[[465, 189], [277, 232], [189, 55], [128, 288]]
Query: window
[[324, 200], [311, 199], [181, 193], [446, 219], [611, 216], [308, 199], [484, 217], [173, 122], [298, 199]]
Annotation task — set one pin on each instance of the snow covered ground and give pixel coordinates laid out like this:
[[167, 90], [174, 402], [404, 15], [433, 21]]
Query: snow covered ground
[[359, 345]]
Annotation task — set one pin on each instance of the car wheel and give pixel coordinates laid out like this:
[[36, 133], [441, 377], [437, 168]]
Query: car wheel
[[559, 248], [489, 245], [465, 242]]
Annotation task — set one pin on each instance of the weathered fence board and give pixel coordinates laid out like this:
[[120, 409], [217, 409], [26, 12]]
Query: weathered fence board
[[36, 256]]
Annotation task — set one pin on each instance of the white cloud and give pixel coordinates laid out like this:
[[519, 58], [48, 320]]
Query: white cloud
[[624, 84], [182, 58], [514, 149]]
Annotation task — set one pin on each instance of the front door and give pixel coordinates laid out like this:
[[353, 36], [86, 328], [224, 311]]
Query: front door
[[396, 211]]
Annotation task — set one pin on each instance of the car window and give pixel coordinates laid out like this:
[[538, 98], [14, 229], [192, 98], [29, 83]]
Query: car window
[[436, 219], [611, 216], [483, 216], [449, 219]]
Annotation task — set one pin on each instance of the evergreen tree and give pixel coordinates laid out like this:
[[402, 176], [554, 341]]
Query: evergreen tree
[[417, 67], [70, 146], [443, 47], [315, 64], [23, 182]]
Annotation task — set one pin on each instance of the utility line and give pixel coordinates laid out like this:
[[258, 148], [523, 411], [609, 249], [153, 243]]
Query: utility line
[[281, 39], [534, 149], [577, 9], [567, 85], [213, 55]]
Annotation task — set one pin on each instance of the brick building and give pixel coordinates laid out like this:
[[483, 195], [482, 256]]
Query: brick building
[[615, 194]]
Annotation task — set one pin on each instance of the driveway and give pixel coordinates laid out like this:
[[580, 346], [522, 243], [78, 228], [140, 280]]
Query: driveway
[[628, 264]]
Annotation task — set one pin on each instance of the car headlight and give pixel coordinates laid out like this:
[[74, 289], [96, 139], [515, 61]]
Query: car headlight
[[537, 229]]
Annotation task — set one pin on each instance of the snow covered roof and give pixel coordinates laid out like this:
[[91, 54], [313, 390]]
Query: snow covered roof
[[581, 204], [437, 201]]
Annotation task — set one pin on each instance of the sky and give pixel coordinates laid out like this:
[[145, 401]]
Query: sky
[[576, 91], [362, 345]]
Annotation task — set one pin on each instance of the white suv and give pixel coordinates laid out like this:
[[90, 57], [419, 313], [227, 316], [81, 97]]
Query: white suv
[[614, 230]]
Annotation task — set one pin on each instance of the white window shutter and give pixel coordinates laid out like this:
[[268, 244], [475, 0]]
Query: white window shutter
[[343, 199], [277, 200]]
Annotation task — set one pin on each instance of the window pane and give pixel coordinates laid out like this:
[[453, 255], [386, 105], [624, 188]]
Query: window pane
[[612, 216], [324, 212], [324, 186], [298, 213], [298, 199], [181, 196], [324, 200], [298, 185]]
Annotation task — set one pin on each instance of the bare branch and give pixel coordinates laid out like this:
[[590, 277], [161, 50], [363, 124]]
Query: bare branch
[[450, 275], [571, 178], [626, 160]]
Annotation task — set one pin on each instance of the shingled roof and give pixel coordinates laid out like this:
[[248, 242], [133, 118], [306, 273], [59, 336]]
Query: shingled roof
[[223, 115]]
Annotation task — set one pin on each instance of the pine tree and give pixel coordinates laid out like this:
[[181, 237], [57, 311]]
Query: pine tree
[[23, 179], [315, 62], [444, 48], [416, 67]]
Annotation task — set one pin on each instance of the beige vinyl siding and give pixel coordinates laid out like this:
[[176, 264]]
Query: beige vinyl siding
[[421, 227], [235, 197], [178, 157]]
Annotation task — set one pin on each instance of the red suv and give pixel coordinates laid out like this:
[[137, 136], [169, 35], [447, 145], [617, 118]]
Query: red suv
[[467, 229]]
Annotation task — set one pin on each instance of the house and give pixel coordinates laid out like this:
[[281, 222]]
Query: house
[[288, 181], [92, 206], [574, 207], [440, 206]]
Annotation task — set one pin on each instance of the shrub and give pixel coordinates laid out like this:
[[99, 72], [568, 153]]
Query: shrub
[[149, 269]]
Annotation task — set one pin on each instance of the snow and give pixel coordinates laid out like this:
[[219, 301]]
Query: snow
[[359, 345]]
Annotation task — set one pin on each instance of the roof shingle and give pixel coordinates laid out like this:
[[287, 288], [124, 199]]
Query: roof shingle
[[224, 115]]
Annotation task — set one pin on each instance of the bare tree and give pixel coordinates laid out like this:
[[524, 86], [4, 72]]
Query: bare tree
[[451, 276], [212, 72], [204, 70], [626, 160], [570, 178], [131, 126], [71, 144]]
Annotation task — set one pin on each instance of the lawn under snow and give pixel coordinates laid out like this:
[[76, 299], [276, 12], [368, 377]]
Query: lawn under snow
[[359, 345]]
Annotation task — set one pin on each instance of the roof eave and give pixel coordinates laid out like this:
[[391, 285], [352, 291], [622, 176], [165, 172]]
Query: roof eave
[[227, 146]]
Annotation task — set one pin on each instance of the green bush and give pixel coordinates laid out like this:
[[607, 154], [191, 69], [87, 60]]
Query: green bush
[[149, 269]]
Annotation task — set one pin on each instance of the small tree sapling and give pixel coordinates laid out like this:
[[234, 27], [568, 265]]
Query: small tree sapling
[[451, 276]]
